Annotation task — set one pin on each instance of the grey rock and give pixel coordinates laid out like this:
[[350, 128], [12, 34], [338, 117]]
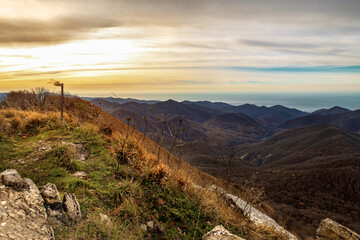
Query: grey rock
[[220, 233], [71, 207], [56, 217], [150, 225], [104, 219], [11, 178], [22, 212], [50, 194], [143, 227], [82, 153], [254, 214], [331, 230], [80, 174]]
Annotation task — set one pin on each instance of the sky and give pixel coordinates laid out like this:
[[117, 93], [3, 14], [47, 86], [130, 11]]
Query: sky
[[171, 47]]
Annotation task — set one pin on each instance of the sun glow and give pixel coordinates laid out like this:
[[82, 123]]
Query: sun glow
[[81, 55]]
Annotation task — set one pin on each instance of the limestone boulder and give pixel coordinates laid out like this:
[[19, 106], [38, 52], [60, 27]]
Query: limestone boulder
[[50, 194], [11, 178], [22, 212], [331, 230], [71, 207], [220, 233]]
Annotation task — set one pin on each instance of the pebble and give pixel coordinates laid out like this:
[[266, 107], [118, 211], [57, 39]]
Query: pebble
[[3, 202], [3, 224]]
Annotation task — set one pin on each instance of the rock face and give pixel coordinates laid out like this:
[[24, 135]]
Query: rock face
[[331, 230], [22, 212], [220, 233]]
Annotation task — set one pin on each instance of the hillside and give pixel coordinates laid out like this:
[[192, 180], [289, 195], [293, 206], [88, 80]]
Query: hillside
[[348, 120], [127, 176], [301, 145], [306, 173], [270, 115], [202, 127], [239, 123]]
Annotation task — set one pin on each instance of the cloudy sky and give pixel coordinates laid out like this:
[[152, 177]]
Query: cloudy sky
[[134, 47]]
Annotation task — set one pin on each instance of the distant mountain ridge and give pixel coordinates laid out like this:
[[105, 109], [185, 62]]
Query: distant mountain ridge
[[120, 100], [348, 120], [333, 110], [299, 145]]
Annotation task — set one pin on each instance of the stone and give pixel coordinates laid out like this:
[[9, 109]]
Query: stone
[[158, 227], [80, 174], [12, 178], [143, 227], [50, 194], [22, 212], [331, 230], [56, 217], [71, 207], [254, 214], [220, 233], [150, 225], [104, 219], [82, 153]]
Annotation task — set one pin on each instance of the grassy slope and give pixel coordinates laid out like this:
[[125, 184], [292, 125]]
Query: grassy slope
[[144, 189]]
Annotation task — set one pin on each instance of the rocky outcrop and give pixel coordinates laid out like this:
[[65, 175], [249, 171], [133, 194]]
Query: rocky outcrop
[[253, 214], [331, 230], [22, 212], [220, 233], [28, 213]]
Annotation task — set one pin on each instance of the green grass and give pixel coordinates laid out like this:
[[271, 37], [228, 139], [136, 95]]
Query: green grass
[[131, 199]]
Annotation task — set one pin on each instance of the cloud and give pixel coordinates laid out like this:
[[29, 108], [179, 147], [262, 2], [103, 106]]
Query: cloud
[[267, 44], [74, 20], [291, 69], [24, 31]]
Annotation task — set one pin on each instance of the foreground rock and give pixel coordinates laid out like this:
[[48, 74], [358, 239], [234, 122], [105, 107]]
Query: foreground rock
[[60, 212], [253, 214], [50, 194], [331, 230], [71, 207], [22, 212], [220, 233]]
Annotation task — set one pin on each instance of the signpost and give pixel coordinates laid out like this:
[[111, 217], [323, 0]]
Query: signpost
[[57, 83]]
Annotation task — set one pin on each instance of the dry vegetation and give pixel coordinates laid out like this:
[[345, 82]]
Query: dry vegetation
[[130, 178]]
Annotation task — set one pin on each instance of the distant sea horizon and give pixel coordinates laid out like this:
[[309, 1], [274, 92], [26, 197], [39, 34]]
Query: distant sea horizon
[[308, 102]]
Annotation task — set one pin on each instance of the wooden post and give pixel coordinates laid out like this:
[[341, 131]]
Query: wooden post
[[62, 102]]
